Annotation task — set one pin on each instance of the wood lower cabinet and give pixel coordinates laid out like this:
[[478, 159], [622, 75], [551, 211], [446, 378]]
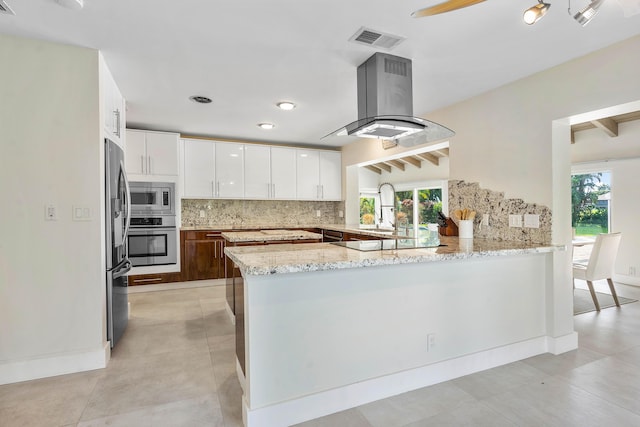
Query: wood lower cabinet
[[203, 255], [154, 279]]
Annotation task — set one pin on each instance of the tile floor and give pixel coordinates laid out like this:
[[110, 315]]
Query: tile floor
[[175, 367]]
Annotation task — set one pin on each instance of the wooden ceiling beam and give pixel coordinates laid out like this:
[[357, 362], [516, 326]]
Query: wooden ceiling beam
[[442, 153], [383, 166], [396, 163], [374, 169], [413, 161], [607, 125], [430, 157]]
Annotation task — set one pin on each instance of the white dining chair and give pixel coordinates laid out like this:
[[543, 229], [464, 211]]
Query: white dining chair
[[600, 265]]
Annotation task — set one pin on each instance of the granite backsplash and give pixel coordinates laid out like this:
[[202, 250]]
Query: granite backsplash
[[470, 195], [247, 213]]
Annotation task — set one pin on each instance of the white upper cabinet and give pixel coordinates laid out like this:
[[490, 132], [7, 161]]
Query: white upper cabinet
[[330, 175], [113, 111], [283, 173], [199, 168], [307, 174], [257, 168], [229, 170], [319, 175], [151, 153]]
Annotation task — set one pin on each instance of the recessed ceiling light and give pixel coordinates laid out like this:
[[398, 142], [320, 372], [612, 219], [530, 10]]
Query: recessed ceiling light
[[266, 126], [286, 105], [200, 99]]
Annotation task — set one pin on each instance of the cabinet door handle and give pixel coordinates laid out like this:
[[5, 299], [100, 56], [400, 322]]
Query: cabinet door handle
[[268, 191], [142, 164], [149, 169], [213, 189], [218, 189], [322, 191], [273, 192], [117, 125], [155, 279], [215, 250], [211, 235]]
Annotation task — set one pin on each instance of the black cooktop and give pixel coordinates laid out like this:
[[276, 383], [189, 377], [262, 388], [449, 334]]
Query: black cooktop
[[386, 244]]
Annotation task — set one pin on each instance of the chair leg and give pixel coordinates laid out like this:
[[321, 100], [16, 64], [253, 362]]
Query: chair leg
[[593, 295], [613, 291]]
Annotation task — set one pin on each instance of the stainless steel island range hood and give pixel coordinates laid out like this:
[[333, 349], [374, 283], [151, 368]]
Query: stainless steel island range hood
[[385, 105]]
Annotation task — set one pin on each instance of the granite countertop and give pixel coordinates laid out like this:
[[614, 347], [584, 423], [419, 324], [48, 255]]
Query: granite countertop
[[269, 235], [290, 258], [355, 228]]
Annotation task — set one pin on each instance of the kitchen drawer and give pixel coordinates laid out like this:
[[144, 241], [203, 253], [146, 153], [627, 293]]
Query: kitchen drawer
[[154, 279]]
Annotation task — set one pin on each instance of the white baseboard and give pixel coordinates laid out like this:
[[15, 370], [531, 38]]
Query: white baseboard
[[25, 370], [324, 403], [627, 280], [562, 344]]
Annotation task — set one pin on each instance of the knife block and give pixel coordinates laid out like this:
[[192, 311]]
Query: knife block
[[450, 230]]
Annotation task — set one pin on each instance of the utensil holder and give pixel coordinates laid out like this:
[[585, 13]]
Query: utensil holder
[[465, 229]]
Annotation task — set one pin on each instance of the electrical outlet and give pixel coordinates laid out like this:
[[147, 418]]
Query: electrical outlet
[[50, 213], [431, 342], [515, 220], [340, 214], [318, 214], [485, 220], [202, 213], [532, 221]]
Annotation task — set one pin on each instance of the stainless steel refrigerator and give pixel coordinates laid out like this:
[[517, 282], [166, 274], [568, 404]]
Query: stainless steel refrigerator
[[117, 222]]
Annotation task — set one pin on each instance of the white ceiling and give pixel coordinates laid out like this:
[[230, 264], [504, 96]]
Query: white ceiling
[[249, 54]]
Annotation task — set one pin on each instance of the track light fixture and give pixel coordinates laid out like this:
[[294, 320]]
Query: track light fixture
[[586, 15], [534, 13]]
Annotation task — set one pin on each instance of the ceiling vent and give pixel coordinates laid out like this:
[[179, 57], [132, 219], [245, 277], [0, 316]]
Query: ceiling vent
[[4, 8], [374, 38]]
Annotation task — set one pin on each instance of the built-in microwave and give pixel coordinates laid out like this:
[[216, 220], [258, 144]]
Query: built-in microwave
[[152, 198]]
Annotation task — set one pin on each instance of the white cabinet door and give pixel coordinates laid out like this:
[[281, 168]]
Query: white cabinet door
[[257, 172], [307, 174], [162, 153], [199, 168], [112, 105], [229, 170], [135, 153], [330, 175], [283, 173]]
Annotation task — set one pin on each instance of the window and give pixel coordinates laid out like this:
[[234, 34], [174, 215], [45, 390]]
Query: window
[[367, 209], [421, 203], [590, 197]]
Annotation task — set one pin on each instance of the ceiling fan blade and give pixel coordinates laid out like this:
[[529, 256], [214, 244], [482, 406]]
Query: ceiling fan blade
[[447, 6]]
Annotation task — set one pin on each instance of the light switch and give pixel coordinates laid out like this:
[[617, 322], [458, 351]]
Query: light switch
[[81, 213], [515, 220], [532, 221]]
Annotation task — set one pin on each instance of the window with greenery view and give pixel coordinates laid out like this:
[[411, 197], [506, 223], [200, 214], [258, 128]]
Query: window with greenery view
[[367, 210], [590, 203], [423, 203]]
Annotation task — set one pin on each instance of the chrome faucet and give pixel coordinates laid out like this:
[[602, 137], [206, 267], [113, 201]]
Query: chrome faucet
[[392, 206]]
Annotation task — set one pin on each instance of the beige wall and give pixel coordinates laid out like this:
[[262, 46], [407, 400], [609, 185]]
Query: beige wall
[[51, 278]]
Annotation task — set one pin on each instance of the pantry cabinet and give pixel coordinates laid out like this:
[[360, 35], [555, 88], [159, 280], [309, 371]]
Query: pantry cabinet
[[151, 153], [113, 106]]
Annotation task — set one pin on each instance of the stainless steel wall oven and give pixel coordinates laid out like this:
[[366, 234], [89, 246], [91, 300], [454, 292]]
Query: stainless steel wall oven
[[152, 238]]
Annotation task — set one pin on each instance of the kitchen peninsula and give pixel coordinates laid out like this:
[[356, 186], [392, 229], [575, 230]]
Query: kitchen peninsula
[[323, 328]]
